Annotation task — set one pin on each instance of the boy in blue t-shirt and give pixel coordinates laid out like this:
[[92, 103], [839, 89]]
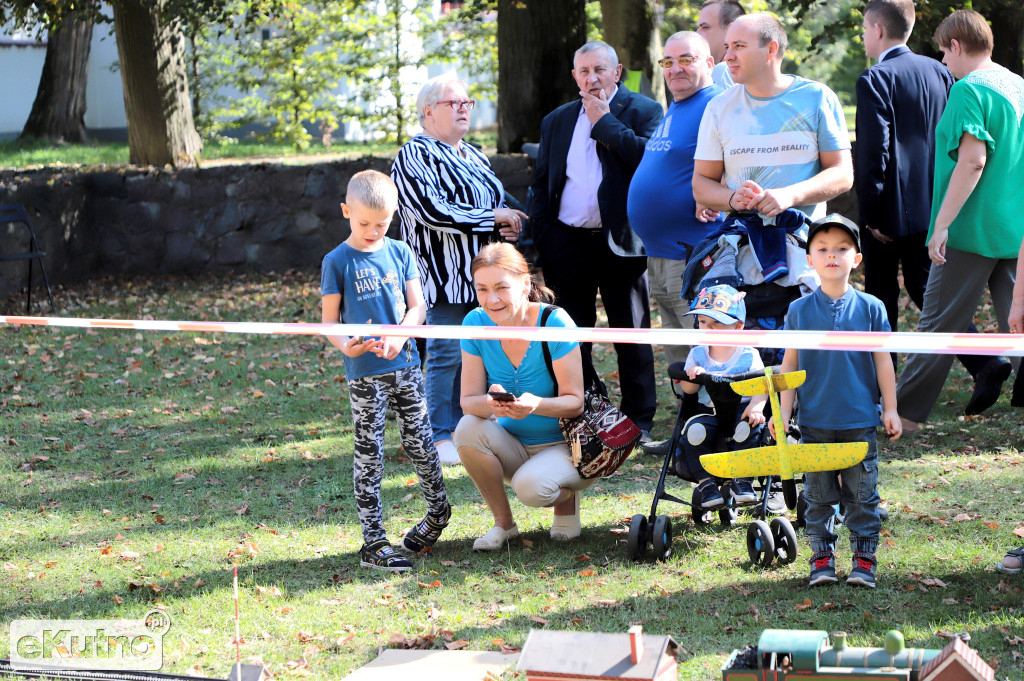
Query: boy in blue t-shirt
[[839, 401], [372, 278], [720, 308]]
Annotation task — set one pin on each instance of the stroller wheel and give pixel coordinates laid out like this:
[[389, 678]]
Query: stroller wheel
[[789, 493], [662, 537], [760, 545], [637, 540], [801, 509], [701, 517], [785, 540]]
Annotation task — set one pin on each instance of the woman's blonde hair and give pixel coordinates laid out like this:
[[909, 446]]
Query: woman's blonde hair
[[968, 28], [506, 257]]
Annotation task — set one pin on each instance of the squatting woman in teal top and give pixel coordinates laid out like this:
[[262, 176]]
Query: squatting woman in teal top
[[517, 439]]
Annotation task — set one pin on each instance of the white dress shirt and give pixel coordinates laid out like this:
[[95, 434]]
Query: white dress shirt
[[583, 174]]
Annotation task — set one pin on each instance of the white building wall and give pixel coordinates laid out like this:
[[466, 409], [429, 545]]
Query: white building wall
[[20, 66], [104, 96]]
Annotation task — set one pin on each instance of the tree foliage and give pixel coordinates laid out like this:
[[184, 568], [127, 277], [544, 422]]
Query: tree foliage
[[1006, 19], [286, 77], [272, 69]]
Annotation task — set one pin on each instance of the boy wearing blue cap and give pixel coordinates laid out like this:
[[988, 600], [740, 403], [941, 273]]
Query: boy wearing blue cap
[[720, 308], [839, 401]]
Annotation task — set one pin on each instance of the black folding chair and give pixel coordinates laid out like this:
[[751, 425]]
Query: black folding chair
[[13, 213]]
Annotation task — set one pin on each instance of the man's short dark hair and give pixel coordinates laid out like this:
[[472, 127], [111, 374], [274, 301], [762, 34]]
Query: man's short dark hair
[[728, 11], [769, 28], [895, 16]]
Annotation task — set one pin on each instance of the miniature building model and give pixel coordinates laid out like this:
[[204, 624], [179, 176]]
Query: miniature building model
[[557, 655], [957, 662]]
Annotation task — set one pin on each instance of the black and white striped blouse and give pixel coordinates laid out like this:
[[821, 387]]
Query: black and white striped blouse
[[446, 205]]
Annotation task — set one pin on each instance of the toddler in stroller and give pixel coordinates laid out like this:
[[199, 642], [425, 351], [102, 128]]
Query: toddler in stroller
[[738, 423]]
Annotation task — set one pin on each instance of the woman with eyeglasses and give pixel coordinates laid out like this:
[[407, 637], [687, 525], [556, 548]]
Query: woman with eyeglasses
[[451, 204]]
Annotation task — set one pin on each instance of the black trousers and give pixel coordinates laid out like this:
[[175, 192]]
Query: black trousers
[[577, 263], [881, 279]]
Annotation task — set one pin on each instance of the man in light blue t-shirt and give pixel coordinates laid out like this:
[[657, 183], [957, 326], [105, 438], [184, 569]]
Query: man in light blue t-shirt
[[779, 141]]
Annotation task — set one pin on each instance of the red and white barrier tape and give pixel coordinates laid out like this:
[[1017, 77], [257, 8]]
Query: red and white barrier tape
[[910, 342]]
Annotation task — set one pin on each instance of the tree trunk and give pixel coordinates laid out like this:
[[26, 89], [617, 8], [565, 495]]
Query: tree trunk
[[536, 41], [58, 112], [630, 26], [151, 53], [1007, 22]]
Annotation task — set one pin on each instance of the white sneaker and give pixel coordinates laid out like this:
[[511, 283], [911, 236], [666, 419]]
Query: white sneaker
[[495, 538], [447, 453]]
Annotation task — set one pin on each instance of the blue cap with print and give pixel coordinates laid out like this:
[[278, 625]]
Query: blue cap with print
[[722, 303]]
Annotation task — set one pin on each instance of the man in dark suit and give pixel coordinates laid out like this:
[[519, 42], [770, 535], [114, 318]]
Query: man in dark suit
[[589, 149], [899, 102]]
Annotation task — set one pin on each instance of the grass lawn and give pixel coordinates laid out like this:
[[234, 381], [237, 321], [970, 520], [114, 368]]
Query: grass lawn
[[137, 469], [24, 155]]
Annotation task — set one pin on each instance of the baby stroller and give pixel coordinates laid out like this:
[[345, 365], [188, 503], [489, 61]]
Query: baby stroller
[[767, 262], [766, 542]]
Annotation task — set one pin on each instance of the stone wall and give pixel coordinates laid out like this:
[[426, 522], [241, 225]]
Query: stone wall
[[262, 216]]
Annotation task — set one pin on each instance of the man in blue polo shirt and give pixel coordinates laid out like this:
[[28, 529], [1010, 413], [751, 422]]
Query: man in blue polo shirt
[[660, 206]]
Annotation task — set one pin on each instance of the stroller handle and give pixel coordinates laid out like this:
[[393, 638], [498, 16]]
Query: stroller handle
[[677, 371]]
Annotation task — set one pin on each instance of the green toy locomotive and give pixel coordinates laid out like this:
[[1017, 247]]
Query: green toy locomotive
[[812, 656]]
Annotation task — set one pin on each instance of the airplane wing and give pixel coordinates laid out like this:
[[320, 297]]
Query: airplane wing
[[804, 458], [779, 382]]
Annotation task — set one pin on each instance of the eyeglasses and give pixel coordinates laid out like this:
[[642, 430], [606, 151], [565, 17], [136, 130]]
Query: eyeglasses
[[457, 104], [669, 62]]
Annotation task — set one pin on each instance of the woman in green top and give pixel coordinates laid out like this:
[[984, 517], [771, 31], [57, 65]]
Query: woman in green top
[[976, 224]]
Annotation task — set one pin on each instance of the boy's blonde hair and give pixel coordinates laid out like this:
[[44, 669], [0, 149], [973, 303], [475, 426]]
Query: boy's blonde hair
[[373, 189]]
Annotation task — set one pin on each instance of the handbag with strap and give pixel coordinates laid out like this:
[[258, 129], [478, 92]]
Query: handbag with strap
[[600, 438]]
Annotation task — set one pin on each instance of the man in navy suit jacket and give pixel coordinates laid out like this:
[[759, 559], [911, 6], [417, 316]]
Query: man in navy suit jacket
[[589, 150], [899, 102]]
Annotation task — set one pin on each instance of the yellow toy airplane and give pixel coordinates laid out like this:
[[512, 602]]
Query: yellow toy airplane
[[784, 460]]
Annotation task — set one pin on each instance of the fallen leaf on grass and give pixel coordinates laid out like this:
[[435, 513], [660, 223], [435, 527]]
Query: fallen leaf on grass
[[1019, 531], [242, 510], [433, 613], [961, 517], [539, 620], [433, 585], [930, 581], [272, 591], [586, 573], [128, 555], [582, 556], [992, 525], [456, 645], [807, 603]]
